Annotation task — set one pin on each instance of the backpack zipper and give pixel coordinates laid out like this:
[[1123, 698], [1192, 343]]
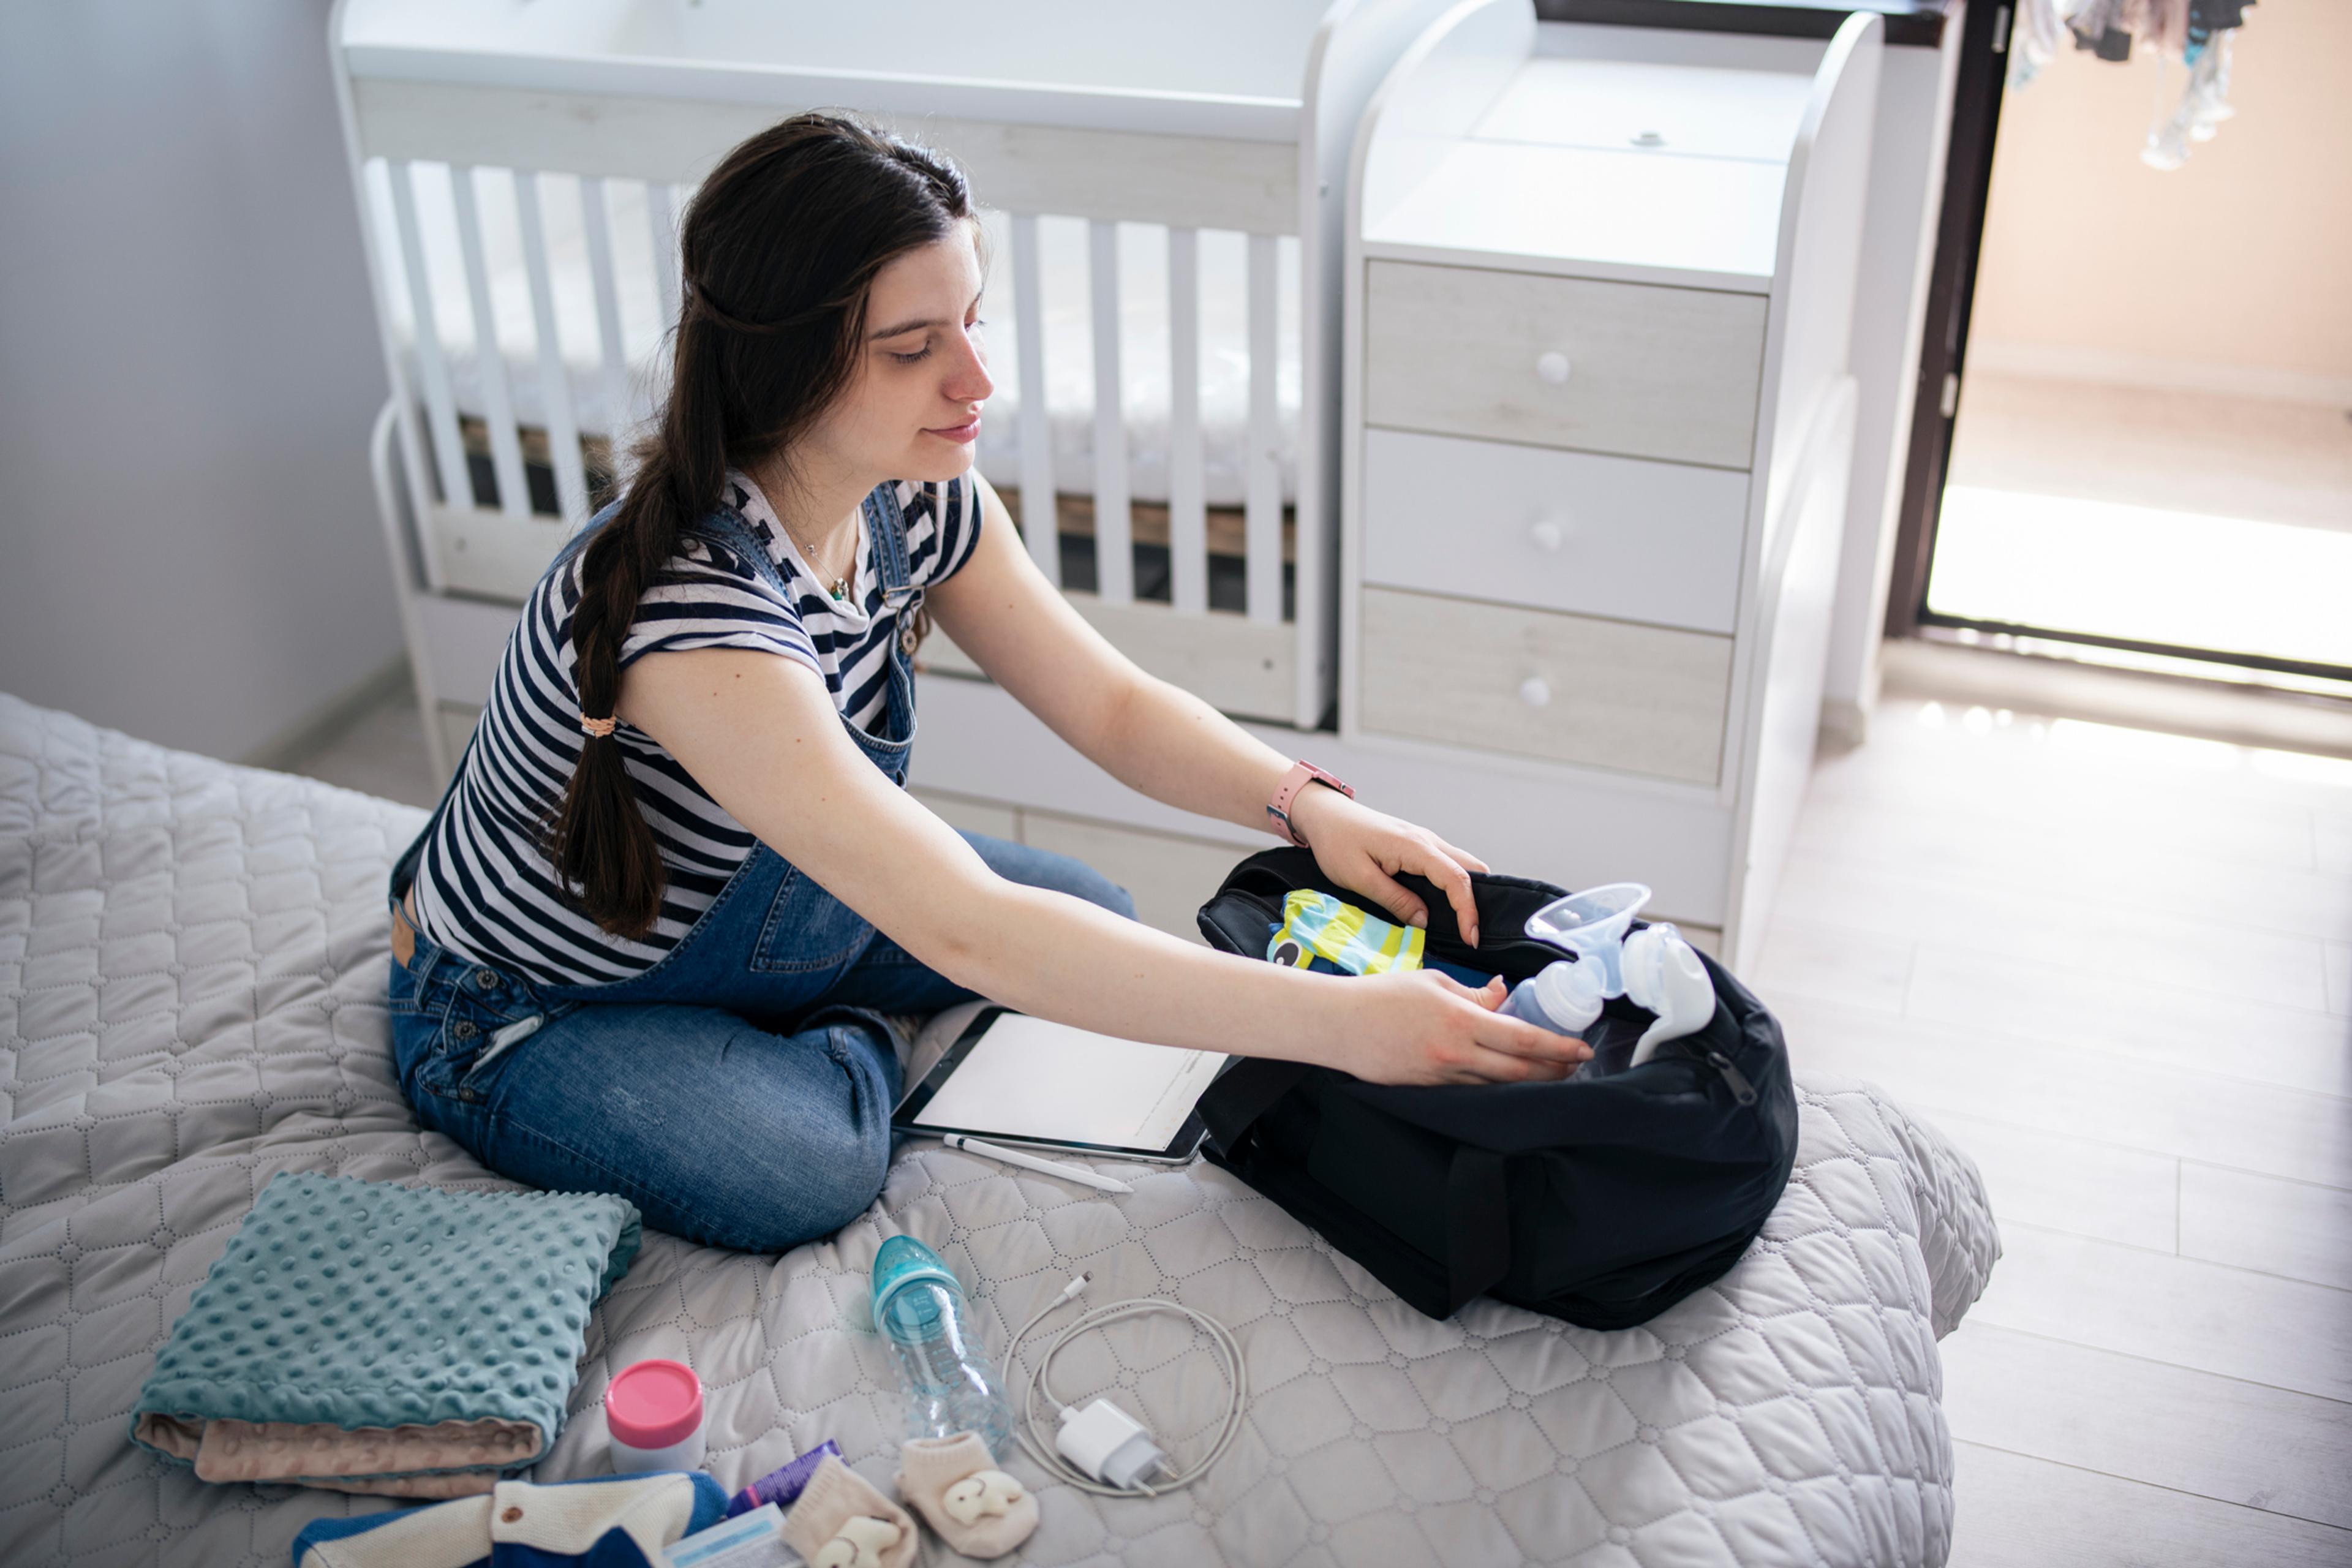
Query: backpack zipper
[[1741, 1090]]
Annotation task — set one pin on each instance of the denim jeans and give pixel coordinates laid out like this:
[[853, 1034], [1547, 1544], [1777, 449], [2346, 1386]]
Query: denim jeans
[[740, 1091], [758, 1118]]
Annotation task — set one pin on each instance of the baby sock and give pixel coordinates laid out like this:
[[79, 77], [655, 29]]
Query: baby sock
[[976, 1508], [841, 1521]]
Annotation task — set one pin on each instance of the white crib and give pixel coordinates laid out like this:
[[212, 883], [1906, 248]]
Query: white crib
[[1164, 200]]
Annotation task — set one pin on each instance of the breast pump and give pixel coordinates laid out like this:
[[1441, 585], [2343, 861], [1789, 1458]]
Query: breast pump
[[1652, 967]]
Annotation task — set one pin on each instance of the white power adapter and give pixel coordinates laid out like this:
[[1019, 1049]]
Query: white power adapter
[[1099, 1448], [1110, 1445]]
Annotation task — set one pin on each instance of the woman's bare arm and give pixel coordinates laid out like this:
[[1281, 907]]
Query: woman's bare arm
[[1160, 740], [759, 731]]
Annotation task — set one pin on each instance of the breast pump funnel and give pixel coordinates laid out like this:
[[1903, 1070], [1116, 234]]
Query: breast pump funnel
[[1592, 925]]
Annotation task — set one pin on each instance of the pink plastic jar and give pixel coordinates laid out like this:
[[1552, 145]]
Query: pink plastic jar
[[653, 1410]]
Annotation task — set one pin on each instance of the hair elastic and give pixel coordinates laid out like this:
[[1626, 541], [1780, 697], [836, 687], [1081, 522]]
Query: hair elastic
[[599, 728]]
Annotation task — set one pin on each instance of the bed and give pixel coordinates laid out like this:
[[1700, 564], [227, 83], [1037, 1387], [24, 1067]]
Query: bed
[[192, 966]]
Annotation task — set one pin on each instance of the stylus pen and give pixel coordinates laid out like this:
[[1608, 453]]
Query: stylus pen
[[1032, 1162]]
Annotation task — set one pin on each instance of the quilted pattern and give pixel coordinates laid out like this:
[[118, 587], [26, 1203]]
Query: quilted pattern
[[191, 962], [464, 1309]]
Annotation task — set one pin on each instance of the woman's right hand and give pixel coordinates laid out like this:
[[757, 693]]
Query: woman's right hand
[[1424, 1027]]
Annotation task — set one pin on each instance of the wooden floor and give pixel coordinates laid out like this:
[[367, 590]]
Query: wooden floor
[[2117, 967]]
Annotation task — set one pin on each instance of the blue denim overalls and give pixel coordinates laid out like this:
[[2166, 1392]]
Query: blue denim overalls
[[740, 1090]]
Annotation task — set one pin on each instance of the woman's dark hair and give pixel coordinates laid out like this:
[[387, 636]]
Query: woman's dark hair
[[777, 249]]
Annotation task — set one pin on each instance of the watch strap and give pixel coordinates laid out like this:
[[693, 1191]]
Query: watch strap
[[1300, 776]]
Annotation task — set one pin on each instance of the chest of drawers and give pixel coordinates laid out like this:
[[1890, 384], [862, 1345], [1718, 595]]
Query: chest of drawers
[[1596, 430]]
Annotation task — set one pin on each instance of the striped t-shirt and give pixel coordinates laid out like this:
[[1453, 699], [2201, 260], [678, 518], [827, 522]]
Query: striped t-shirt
[[485, 891]]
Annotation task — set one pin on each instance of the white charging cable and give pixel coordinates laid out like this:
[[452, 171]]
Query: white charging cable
[[1115, 1451]]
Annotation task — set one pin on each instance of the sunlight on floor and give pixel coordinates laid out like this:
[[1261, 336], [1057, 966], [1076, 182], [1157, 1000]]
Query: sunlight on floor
[[2142, 752], [2144, 574]]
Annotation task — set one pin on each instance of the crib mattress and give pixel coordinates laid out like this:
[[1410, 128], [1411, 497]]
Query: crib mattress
[[604, 406], [191, 974]]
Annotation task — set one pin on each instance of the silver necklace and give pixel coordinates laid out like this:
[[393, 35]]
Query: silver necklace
[[840, 589]]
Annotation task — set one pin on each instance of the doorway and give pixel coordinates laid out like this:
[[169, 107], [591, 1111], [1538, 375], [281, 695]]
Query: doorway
[[2146, 447]]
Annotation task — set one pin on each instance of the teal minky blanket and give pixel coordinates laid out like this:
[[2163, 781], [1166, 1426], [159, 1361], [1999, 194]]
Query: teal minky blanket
[[370, 1338]]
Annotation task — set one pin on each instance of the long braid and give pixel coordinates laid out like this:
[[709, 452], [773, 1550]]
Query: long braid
[[787, 232]]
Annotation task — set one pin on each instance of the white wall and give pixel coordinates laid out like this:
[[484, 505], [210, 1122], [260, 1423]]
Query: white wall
[[2230, 272], [188, 370]]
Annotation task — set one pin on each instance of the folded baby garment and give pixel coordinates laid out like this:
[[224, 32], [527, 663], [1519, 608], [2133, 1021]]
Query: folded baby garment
[[1317, 925], [604, 1521], [368, 1338]]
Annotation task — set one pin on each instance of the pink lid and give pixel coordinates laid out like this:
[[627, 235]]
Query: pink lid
[[654, 1403]]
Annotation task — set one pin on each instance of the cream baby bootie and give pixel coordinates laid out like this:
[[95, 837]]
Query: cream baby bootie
[[956, 1487], [841, 1521]]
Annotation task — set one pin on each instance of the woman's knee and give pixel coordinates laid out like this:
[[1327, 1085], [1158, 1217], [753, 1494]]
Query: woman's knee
[[820, 1190], [1035, 868], [742, 1137]]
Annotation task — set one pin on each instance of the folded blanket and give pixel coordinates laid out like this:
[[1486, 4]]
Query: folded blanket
[[368, 1338]]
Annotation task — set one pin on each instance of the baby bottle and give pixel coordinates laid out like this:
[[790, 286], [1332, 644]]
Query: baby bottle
[[944, 1368], [1564, 998]]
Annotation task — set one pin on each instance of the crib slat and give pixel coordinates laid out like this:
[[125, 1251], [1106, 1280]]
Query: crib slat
[[1263, 495], [497, 407], [1039, 526], [1114, 557], [1188, 518], [440, 409], [597, 225], [554, 379], [661, 211]]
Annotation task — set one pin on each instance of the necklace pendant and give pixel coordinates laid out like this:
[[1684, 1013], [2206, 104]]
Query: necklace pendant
[[840, 589]]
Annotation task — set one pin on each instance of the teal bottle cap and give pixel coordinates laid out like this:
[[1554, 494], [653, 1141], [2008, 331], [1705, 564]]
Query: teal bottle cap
[[903, 1261]]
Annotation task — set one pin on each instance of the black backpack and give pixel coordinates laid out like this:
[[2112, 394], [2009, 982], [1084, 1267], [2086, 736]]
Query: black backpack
[[1602, 1199]]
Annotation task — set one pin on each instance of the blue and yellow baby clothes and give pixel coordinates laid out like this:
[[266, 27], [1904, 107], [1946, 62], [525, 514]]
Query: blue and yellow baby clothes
[[1317, 925]]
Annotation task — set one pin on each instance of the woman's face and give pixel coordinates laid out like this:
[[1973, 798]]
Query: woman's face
[[912, 412]]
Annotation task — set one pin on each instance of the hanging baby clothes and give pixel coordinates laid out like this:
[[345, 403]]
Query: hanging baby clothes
[[2199, 32]]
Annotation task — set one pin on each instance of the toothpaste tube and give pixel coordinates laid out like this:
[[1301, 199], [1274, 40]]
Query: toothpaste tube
[[782, 1486]]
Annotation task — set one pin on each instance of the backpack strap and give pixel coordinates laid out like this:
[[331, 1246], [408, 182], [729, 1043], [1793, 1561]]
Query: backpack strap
[[1246, 1091], [1477, 1193], [1477, 1224]]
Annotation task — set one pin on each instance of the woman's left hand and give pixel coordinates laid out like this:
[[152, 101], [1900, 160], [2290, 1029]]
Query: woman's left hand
[[1365, 850]]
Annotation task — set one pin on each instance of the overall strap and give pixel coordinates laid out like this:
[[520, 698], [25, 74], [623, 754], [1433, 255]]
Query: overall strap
[[885, 524], [730, 527]]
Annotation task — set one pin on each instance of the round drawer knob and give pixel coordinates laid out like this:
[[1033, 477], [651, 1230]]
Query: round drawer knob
[[1546, 534], [1552, 368], [1536, 691]]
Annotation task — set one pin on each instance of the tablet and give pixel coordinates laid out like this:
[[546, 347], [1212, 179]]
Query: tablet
[[1013, 1079]]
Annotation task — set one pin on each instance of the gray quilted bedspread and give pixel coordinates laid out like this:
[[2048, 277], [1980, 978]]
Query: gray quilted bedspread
[[191, 967]]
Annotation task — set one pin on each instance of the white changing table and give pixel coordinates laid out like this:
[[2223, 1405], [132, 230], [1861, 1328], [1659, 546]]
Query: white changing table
[[1599, 426]]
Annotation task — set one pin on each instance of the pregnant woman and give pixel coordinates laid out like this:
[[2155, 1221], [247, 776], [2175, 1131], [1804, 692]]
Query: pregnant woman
[[647, 943]]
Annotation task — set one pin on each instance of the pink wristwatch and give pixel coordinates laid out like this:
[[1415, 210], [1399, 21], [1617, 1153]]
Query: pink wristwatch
[[1300, 776]]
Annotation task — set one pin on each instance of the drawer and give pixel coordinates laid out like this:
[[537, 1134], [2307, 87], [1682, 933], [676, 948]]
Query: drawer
[[1573, 689], [1627, 368], [1622, 537]]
